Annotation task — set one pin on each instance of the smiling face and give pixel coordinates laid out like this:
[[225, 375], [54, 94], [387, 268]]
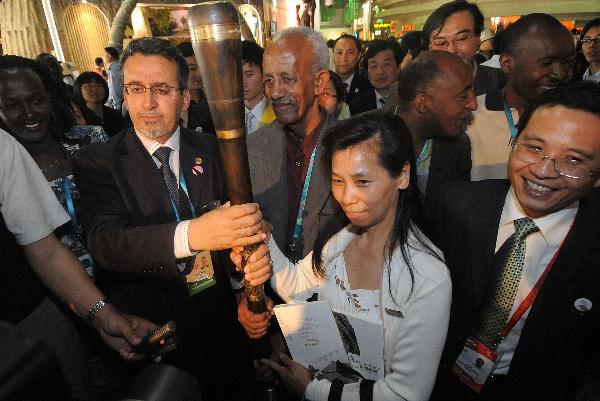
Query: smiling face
[[289, 83], [457, 36], [25, 105], [542, 61], [363, 188], [382, 70], [153, 115], [558, 132]]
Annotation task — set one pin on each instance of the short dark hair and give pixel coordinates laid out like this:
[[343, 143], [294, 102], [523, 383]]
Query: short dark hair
[[511, 37], [379, 45], [592, 24], [186, 49], [413, 41], [98, 61], [113, 52], [86, 78], [435, 22], [581, 96], [338, 85], [158, 47], [352, 38], [419, 75], [252, 54], [63, 116]]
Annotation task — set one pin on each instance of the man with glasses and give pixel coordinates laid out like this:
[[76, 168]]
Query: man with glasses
[[590, 46], [142, 198], [537, 54], [455, 27], [524, 257]]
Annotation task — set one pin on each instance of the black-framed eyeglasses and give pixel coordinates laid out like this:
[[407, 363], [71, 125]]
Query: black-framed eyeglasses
[[587, 41], [160, 90], [567, 166], [459, 40]]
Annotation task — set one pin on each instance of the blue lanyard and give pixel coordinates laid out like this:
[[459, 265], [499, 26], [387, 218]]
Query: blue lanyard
[[304, 196], [424, 153], [509, 118], [183, 186], [69, 198]]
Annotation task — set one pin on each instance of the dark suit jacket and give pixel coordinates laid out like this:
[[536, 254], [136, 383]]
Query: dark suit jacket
[[199, 117], [114, 122], [365, 102], [487, 79], [557, 342], [358, 87], [450, 161], [268, 170], [127, 215]]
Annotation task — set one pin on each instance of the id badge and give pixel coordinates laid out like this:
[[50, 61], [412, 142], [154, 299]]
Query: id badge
[[202, 275], [475, 363]]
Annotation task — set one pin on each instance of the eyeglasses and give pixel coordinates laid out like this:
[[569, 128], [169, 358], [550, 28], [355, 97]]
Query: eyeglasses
[[91, 86], [459, 40], [587, 41], [160, 90], [567, 166]]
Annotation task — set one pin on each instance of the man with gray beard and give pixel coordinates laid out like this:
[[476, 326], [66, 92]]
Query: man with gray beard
[[143, 195]]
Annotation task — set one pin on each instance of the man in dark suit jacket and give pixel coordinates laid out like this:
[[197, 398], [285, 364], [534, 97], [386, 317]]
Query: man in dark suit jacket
[[442, 149], [346, 54], [546, 352], [381, 62], [142, 211], [455, 27]]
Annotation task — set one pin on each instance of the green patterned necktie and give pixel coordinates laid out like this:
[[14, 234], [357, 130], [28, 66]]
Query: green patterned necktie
[[508, 263]]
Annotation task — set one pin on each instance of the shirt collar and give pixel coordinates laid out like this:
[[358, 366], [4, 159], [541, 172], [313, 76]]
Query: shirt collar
[[554, 226], [257, 111], [378, 96], [151, 145], [349, 80]]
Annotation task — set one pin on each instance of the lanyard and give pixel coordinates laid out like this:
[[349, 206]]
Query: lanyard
[[509, 118], [304, 196], [183, 185], [424, 153], [528, 301], [69, 199]]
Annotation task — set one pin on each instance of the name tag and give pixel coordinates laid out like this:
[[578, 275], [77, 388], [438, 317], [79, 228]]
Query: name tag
[[202, 275], [475, 363]]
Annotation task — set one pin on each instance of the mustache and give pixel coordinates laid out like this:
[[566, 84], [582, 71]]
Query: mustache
[[282, 102]]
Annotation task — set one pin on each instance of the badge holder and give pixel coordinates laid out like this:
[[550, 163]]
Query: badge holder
[[475, 363]]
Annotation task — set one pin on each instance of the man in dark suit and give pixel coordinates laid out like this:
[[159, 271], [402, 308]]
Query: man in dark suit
[[524, 259], [142, 199], [381, 62], [435, 100], [455, 27], [346, 55]]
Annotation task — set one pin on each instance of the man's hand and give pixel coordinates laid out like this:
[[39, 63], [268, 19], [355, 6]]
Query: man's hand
[[294, 376], [255, 324], [226, 227], [121, 331], [259, 268]]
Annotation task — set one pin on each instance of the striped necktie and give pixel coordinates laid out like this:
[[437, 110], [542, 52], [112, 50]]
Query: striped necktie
[[162, 154]]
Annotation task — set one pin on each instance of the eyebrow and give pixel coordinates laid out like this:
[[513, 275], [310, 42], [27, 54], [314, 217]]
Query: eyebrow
[[455, 34]]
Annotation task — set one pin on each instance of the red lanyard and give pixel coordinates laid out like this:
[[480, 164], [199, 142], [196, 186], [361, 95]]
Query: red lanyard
[[528, 301]]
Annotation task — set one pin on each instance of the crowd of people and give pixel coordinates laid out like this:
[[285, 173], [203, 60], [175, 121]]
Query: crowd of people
[[444, 187]]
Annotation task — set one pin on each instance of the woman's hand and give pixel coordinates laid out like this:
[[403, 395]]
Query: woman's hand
[[259, 268], [294, 375]]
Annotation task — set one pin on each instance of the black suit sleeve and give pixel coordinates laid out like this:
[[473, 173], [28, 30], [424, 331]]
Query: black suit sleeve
[[107, 210]]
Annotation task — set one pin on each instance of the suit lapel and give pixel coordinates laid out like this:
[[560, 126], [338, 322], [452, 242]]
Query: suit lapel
[[143, 176]]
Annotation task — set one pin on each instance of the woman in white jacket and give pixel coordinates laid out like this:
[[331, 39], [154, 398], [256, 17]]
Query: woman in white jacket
[[380, 267]]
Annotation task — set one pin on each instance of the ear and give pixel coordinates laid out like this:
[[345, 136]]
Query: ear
[[422, 103], [322, 79], [186, 100], [597, 183], [404, 177], [507, 63]]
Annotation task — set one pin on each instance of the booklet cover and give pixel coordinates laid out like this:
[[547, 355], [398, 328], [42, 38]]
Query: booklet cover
[[317, 337]]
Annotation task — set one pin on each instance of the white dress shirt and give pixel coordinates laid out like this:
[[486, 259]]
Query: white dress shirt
[[182, 247], [540, 249], [253, 116]]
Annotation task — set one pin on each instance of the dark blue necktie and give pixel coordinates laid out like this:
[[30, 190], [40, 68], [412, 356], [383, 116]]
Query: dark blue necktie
[[162, 154]]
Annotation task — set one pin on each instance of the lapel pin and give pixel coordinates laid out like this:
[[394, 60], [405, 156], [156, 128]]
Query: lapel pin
[[355, 90], [583, 305], [197, 169]]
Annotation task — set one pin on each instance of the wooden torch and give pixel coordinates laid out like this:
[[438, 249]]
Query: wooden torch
[[216, 39]]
